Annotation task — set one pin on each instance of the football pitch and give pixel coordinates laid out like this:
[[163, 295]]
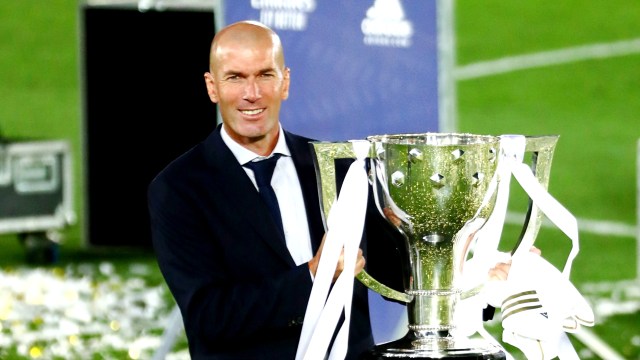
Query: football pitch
[[568, 68]]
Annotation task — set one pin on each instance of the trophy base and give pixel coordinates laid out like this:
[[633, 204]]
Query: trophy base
[[435, 349]]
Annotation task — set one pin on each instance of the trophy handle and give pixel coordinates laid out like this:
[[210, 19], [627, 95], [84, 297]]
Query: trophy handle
[[325, 155], [382, 289], [541, 149]]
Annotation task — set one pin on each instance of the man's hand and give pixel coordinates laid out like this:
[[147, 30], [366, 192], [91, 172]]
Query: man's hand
[[315, 261], [501, 270]]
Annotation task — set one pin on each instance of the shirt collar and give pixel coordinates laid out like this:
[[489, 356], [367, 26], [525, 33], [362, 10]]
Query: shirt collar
[[244, 155]]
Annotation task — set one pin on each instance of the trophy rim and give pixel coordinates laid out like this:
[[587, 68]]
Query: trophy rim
[[435, 138]]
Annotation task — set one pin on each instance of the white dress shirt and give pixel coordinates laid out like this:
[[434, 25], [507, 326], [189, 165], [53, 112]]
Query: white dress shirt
[[286, 185]]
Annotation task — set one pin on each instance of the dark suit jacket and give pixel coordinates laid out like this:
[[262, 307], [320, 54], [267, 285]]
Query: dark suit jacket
[[239, 291]]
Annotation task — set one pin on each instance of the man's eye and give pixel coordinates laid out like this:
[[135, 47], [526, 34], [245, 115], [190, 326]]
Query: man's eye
[[232, 77]]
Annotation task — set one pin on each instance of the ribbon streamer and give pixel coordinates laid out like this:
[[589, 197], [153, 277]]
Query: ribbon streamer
[[345, 226]]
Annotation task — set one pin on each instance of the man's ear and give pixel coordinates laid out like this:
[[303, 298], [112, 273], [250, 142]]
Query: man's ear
[[286, 82], [211, 87]]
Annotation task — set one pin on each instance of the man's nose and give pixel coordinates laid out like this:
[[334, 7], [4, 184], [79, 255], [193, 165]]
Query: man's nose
[[252, 91]]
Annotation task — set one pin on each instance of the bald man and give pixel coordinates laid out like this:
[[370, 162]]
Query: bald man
[[242, 285]]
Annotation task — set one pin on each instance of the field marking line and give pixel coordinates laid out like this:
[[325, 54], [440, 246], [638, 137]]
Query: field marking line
[[546, 58], [600, 227], [595, 343]]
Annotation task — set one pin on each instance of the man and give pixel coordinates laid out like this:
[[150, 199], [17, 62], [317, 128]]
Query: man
[[241, 284]]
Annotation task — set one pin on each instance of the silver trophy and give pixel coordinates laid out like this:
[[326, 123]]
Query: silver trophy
[[437, 190]]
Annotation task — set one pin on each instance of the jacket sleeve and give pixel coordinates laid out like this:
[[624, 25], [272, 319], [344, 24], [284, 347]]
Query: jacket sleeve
[[227, 285]]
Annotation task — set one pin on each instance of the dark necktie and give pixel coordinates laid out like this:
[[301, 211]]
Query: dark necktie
[[263, 171]]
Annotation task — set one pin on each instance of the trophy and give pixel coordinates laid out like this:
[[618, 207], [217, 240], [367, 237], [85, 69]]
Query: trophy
[[437, 190]]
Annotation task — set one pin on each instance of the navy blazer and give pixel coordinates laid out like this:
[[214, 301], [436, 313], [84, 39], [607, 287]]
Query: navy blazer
[[239, 291]]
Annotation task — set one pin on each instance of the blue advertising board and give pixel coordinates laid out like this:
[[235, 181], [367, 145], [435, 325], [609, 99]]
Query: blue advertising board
[[358, 68]]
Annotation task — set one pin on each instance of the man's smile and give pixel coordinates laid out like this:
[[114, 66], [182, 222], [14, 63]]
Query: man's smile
[[252, 112]]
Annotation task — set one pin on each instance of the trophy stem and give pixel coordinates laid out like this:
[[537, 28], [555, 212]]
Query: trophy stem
[[431, 313], [432, 283]]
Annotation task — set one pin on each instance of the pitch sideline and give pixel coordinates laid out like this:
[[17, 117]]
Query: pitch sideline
[[546, 58]]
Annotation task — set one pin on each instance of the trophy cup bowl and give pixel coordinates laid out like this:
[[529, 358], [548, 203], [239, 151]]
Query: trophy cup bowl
[[431, 187], [437, 190]]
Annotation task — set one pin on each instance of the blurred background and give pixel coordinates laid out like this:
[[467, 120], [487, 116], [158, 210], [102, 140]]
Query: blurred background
[[91, 288]]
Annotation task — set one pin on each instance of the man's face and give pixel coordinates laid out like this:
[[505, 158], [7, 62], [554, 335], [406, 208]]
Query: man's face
[[248, 84]]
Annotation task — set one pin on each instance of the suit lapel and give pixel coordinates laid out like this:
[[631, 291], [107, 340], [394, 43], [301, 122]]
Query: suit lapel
[[240, 195]]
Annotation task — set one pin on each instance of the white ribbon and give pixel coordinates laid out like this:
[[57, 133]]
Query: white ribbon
[[344, 231], [488, 237], [485, 251], [556, 305]]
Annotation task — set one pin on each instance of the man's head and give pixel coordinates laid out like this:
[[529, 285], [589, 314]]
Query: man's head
[[248, 81]]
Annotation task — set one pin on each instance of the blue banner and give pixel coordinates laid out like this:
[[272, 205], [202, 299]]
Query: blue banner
[[358, 68]]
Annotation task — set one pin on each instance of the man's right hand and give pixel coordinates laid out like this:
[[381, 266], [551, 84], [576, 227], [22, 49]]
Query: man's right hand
[[315, 261]]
